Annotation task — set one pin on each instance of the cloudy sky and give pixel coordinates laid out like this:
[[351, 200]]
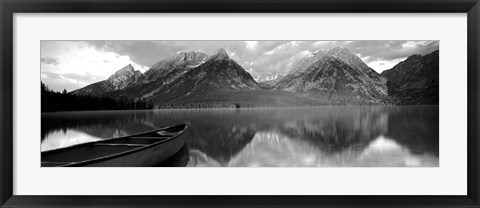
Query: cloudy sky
[[74, 64]]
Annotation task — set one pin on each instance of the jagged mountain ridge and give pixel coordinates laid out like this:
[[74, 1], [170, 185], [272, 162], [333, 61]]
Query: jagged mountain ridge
[[176, 65], [125, 77], [121, 79], [270, 77], [306, 62]]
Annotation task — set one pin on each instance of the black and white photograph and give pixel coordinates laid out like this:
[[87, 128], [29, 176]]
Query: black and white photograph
[[235, 103]]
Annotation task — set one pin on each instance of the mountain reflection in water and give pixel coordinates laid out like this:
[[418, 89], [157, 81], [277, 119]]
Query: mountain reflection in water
[[273, 149], [336, 136]]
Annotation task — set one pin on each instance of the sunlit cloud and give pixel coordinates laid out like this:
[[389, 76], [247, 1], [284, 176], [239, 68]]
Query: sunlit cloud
[[251, 44], [63, 58], [48, 60], [382, 65]]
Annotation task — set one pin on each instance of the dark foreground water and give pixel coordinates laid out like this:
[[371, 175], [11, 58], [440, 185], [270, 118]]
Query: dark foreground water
[[377, 136]]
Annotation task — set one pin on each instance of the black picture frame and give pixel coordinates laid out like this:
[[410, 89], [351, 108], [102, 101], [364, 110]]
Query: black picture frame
[[9, 7]]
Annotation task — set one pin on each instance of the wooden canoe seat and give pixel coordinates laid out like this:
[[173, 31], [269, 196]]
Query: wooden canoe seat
[[142, 137]]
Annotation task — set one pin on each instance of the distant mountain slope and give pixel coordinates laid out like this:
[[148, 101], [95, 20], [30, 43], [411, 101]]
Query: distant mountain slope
[[415, 80], [174, 66], [341, 53], [121, 79], [306, 62], [270, 78], [355, 62], [337, 77], [333, 77], [227, 98]]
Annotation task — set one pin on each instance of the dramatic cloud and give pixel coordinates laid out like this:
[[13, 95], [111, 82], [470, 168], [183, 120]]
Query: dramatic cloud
[[48, 60], [84, 62], [73, 64]]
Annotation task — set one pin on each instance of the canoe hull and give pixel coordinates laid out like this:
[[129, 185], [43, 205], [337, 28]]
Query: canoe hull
[[144, 158], [140, 150]]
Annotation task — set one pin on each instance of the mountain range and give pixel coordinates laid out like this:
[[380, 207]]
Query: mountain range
[[334, 77]]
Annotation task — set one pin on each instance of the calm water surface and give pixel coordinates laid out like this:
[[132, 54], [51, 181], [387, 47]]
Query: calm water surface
[[349, 136]]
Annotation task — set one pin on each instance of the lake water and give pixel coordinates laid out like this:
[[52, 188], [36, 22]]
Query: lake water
[[336, 136]]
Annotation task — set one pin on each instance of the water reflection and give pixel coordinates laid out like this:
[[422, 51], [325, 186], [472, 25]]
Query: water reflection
[[387, 152], [59, 139], [102, 124], [273, 149], [322, 136]]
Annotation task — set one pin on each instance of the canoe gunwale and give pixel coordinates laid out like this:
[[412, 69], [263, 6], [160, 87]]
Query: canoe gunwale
[[98, 159]]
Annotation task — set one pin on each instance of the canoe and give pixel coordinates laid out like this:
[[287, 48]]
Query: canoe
[[139, 150]]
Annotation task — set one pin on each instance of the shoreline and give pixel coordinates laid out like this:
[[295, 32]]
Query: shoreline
[[249, 108]]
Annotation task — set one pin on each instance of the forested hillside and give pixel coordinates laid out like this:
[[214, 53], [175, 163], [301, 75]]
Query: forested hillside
[[63, 101]]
